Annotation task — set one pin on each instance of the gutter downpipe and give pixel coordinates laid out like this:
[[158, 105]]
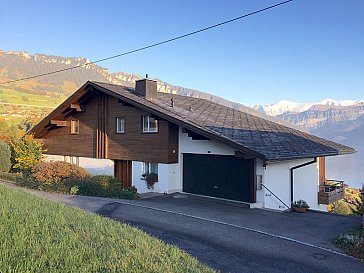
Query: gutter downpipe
[[292, 174]]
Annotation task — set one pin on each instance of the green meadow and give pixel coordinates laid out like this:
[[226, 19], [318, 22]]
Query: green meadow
[[19, 97]]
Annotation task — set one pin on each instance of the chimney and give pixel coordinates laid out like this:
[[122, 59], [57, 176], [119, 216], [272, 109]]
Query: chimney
[[146, 88]]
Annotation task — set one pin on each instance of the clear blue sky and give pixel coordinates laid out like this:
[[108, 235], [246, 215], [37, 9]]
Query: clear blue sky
[[304, 51]]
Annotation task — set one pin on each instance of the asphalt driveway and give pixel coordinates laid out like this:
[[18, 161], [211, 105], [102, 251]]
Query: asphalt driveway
[[229, 237]]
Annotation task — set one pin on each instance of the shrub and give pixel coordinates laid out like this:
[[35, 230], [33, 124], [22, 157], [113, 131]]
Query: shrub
[[74, 190], [129, 193], [101, 185], [5, 155], [352, 242], [56, 171], [27, 153], [339, 207], [26, 180], [15, 177]]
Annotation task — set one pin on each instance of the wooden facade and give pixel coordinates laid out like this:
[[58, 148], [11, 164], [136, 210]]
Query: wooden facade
[[97, 137], [322, 170], [134, 144], [60, 141]]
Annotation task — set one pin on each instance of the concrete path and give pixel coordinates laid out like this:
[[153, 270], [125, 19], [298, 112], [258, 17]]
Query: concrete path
[[229, 237]]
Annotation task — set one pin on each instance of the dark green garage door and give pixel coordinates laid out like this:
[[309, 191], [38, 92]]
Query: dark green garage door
[[221, 176]]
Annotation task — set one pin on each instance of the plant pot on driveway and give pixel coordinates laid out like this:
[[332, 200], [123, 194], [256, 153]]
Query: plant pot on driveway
[[300, 210], [300, 206]]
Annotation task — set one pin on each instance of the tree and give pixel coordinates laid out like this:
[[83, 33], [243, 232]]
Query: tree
[[27, 152], [9, 131], [12, 131], [358, 203], [5, 155]]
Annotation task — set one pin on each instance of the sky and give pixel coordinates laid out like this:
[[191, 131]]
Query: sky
[[303, 51]]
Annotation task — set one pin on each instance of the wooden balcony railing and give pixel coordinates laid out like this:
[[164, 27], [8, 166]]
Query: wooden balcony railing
[[331, 191]]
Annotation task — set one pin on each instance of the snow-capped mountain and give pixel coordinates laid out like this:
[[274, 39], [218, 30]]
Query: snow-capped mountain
[[285, 106]]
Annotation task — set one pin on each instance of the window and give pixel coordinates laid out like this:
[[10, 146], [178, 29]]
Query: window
[[72, 159], [149, 167], [150, 125], [120, 125], [259, 181], [75, 126]]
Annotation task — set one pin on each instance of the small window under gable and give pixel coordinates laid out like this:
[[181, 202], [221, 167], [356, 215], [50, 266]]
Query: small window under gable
[[150, 124], [75, 126], [120, 125]]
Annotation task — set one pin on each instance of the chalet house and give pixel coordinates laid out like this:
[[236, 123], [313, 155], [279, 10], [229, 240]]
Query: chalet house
[[194, 145]]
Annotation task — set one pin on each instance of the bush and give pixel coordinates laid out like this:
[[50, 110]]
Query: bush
[[62, 177], [339, 207], [74, 190], [27, 153], [129, 193], [5, 155], [15, 177], [27, 181], [352, 242], [56, 171], [101, 185]]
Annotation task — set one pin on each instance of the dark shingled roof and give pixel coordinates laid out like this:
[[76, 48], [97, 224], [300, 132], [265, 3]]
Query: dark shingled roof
[[250, 133]]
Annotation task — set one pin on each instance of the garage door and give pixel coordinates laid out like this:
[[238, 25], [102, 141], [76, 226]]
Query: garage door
[[220, 176]]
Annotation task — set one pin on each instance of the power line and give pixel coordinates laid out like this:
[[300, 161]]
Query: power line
[[152, 45]]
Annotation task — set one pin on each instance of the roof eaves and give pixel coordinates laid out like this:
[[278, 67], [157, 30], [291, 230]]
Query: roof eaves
[[57, 110]]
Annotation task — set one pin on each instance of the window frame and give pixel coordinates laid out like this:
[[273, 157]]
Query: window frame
[[149, 131], [75, 160], [72, 127], [147, 167], [117, 124]]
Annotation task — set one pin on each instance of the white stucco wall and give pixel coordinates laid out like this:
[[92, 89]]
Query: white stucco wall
[[277, 179], [49, 158], [187, 145], [260, 197], [166, 178], [306, 186], [93, 165]]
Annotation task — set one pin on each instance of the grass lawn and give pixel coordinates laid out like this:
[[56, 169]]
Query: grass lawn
[[37, 235]]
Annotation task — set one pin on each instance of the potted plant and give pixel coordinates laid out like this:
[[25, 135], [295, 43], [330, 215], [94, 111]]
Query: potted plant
[[150, 178], [300, 206]]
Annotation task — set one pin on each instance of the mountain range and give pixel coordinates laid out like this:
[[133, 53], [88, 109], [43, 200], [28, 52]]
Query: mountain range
[[341, 121], [285, 106]]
